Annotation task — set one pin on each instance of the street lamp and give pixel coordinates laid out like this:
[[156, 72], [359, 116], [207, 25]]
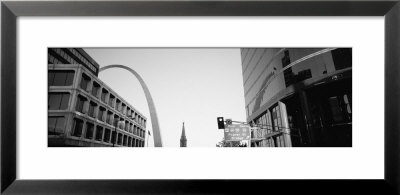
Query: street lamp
[[148, 135], [116, 122]]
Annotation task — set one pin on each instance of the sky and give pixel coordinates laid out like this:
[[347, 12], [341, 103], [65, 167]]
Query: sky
[[190, 85]]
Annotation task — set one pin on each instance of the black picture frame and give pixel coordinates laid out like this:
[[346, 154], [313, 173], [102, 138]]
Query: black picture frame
[[10, 10]]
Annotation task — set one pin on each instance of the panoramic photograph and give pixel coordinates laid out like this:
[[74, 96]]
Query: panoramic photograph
[[199, 97]]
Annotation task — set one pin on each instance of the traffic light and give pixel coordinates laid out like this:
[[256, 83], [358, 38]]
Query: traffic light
[[220, 121]]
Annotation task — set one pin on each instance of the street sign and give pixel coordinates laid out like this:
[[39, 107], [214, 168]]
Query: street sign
[[237, 132]]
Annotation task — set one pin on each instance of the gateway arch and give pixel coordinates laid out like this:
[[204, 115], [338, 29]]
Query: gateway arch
[[150, 103]]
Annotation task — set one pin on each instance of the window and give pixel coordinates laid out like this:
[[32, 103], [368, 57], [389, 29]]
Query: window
[[56, 125], [106, 137], [123, 109], [95, 89], [80, 103], [276, 117], [347, 104], [85, 82], [335, 108], [101, 113], [60, 77], [118, 106], [129, 141], [133, 142], [99, 133], [116, 120], [92, 107], [288, 74], [109, 118], [78, 125], [128, 112], [342, 58], [132, 116], [125, 141], [130, 128], [104, 95], [340, 108], [277, 125], [89, 131], [126, 126], [119, 139], [114, 137], [58, 101], [121, 123], [111, 100], [268, 122]]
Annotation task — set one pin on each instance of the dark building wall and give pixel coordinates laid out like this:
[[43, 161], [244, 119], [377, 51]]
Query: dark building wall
[[312, 84]]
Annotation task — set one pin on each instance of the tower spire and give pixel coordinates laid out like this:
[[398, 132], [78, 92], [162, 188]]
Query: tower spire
[[183, 136]]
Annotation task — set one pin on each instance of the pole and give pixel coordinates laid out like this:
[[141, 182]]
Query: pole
[[115, 133], [147, 142]]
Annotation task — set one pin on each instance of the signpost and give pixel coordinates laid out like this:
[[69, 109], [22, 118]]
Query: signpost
[[237, 132]]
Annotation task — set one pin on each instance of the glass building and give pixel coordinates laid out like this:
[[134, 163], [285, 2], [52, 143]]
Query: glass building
[[84, 111], [298, 97]]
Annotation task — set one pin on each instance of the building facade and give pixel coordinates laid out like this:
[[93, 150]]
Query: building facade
[[298, 97], [84, 111], [183, 141]]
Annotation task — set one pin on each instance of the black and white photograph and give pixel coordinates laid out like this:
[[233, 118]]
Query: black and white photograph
[[199, 97]]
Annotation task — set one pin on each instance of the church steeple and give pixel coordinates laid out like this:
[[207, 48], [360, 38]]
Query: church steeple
[[183, 136]]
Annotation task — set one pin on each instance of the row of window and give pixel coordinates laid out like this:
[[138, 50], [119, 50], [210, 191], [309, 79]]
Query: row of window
[[60, 77], [67, 58], [60, 101], [102, 114], [90, 131], [83, 59], [105, 96], [270, 122], [65, 78]]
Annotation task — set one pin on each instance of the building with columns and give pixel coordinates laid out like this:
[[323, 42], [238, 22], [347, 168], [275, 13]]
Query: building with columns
[[84, 111], [183, 141]]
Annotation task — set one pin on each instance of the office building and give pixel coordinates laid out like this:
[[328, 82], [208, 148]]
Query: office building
[[298, 97], [83, 110]]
